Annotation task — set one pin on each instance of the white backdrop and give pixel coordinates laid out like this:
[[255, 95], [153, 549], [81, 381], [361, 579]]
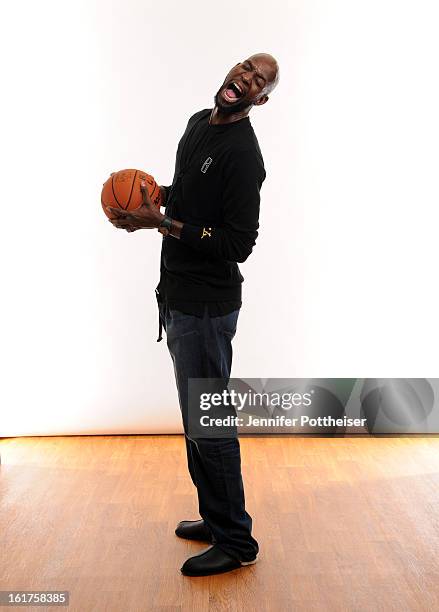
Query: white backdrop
[[343, 279]]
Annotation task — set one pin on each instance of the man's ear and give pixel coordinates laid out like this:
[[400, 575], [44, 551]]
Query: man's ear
[[262, 100]]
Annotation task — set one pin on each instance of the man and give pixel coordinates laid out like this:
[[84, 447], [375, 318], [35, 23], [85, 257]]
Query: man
[[211, 223]]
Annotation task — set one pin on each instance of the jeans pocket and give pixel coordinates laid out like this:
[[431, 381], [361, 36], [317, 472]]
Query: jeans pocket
[[180, 324], [228, 333], [228, 323]]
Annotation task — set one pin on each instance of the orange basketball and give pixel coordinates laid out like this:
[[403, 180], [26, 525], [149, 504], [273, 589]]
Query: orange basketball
[[122, 190]]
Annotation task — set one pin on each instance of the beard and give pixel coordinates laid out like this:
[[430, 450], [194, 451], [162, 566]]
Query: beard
[[230, 109]]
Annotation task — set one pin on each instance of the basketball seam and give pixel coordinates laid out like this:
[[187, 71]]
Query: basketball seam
[[112, 187], [132, 187]]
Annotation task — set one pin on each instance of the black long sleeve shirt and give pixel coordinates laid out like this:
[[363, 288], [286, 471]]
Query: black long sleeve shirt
[[219, 171]]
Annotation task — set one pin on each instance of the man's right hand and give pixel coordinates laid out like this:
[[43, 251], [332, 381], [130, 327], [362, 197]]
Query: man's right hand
[[131, 228]]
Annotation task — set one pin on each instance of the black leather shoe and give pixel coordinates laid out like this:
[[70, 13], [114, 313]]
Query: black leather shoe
[[213, 560], [194, 530]]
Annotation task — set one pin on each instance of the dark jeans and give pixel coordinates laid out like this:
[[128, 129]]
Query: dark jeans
[[202, 348]]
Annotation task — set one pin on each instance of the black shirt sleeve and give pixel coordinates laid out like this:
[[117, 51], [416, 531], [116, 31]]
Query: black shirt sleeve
[[167, 189], [243, 176]]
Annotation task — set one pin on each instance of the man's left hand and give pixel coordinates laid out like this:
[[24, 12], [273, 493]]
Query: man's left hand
[[147, 216]]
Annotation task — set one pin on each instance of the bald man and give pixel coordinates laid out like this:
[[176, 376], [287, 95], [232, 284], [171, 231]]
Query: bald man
[[210, 225]]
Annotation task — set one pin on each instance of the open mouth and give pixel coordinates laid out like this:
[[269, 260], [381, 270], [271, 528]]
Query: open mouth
[[233, 92]]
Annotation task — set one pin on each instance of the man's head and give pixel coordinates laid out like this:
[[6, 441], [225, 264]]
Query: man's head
[[248, 84]]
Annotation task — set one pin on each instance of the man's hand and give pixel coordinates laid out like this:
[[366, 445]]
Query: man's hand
[[146, 216]]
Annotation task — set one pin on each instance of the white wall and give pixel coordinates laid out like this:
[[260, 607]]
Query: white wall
[[343, 280]]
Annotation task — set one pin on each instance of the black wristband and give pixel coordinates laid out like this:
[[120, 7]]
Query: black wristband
[[166, 223]]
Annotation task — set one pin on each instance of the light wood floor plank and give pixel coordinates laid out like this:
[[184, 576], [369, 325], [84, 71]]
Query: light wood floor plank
[[344, 524]]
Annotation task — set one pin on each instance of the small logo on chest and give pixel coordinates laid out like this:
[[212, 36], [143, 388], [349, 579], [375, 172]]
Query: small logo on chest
[[205, 166]]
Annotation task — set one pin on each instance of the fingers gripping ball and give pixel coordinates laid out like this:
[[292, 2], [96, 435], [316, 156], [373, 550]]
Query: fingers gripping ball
[[122, 190]]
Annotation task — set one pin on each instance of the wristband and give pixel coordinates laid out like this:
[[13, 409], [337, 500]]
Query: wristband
[[166, 223]]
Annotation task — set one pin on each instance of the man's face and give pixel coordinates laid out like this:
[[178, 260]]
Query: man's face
[[245, 85]]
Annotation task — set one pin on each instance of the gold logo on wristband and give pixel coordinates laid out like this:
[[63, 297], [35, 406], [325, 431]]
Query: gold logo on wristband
[[207, 231]]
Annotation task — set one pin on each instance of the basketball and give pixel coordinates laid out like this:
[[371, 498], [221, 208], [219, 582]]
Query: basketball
[[122, 190]]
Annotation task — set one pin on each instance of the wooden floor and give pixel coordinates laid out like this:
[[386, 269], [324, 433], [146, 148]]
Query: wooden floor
[[343, 524]]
